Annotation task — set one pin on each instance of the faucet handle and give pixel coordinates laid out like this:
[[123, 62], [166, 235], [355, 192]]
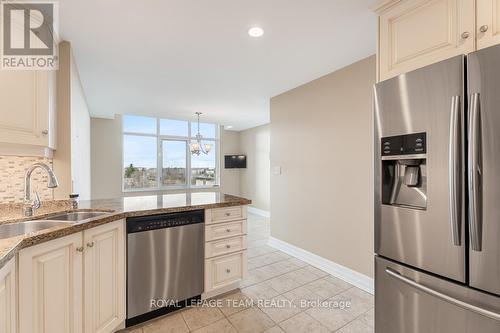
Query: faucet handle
[[36, 202]]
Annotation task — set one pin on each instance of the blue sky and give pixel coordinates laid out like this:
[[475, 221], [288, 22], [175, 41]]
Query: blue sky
[[141, 150]]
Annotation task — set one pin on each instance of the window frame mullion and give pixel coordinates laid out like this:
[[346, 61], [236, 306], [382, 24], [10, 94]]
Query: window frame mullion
[[159, 156]]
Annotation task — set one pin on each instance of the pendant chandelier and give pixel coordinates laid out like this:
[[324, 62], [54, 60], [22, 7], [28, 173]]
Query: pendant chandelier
[[196, 147]]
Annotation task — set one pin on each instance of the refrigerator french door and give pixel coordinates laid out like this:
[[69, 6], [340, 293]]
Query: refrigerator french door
[[437, 197], [484, 167]]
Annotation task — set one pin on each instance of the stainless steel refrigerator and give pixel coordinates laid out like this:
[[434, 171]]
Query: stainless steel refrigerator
[[437, 198]]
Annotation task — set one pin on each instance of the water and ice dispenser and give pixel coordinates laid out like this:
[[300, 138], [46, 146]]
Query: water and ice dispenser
[[404, 172]]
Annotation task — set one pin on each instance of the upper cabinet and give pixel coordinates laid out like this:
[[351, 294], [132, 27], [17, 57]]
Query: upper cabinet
[[488, 23], [415, 33], [27, 108]]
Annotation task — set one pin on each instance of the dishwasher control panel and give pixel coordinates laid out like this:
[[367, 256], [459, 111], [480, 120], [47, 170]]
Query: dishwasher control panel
[[162, 221]]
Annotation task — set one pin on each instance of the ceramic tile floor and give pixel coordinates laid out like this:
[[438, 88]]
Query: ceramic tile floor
[[280, 294]]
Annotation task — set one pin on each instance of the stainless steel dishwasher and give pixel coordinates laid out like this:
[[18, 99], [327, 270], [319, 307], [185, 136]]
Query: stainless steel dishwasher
[[165, 259]]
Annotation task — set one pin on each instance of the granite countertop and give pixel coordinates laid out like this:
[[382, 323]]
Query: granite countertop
[[117, 209]]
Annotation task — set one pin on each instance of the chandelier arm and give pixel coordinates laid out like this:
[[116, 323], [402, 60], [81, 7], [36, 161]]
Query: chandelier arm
[[199, 137]]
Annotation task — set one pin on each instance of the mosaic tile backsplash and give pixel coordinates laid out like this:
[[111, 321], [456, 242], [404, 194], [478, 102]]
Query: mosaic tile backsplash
[[12, 170]]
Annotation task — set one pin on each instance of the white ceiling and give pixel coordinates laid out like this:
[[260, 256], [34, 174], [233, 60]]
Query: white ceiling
[[172, 58]]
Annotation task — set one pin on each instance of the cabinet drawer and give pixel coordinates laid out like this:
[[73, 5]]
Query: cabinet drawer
[[226, 214], [225, 230], [225, 270], [225, 246]]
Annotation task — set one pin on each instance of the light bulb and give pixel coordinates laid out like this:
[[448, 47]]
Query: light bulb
[[256, 32]]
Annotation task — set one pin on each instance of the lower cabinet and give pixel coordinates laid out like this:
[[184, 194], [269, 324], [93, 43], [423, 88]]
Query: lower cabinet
[[50, 287], [74, 284], [225, 270], [225, 249], [8, 317], [104, 283]]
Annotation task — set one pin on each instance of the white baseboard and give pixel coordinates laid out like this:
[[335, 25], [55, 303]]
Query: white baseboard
[[356, 279], [258, 211]]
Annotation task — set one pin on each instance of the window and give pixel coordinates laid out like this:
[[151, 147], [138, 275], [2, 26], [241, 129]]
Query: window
[[156, 154], [174, 127], [136, 124], [203, 168], [139, 162], [174, 162]]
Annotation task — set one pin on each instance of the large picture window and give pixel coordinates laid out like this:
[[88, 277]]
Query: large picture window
[[156, 154]]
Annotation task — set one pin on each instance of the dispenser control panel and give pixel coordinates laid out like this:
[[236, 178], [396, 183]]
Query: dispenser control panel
[[404, 144]]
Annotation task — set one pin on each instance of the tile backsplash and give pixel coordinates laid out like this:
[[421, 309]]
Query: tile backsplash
[[12, 170]]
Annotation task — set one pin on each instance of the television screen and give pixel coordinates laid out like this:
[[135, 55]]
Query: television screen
[[235, 161]]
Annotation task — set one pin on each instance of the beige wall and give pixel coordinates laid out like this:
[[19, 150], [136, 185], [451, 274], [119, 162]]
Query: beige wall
[[72, 157], [106, 157], [230, 178], [106, 150], [62, 154], [321, 137], [255, 179], [80, 137]]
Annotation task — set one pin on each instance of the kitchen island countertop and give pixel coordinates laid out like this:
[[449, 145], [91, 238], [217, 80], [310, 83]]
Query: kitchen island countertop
[[116, 208]]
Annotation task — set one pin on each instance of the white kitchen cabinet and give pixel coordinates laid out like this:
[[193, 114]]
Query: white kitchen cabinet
[[488, 23], [225, 249], [225, 230], [104, 283], [225, 214], [75, 283], [27, 108], [50, 292], [416, 33], [224, 271], [8, 315]]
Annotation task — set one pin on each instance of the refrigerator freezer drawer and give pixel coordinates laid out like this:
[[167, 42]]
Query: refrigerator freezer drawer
[[410, 301]]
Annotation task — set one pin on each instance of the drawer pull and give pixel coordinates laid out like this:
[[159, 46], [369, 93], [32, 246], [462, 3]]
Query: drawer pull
[[465, 35], [228, 214], [228, 246], [79, 249], [228, 230], [228, 271], [90, 244], [483, 28]]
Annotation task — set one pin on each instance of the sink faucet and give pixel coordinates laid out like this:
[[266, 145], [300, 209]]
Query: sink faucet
[[30, 206]]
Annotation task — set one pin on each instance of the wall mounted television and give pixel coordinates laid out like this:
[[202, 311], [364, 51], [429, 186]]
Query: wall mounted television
[[235, 161]]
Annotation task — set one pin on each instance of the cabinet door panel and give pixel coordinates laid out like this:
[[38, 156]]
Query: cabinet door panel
[[8, 298], [225, 270], [50, 300], [488, 23], [413, 34], [104, 277], [25, 115]]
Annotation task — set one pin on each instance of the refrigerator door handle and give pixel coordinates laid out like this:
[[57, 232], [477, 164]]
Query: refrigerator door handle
[[454, 165], [483, 312], [474, 176]]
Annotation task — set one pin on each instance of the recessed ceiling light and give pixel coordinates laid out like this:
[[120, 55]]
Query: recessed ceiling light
[[228, 127], [256, 32]]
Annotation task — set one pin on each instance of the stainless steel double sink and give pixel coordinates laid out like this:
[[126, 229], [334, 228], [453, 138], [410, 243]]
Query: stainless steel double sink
[[21, 228]]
